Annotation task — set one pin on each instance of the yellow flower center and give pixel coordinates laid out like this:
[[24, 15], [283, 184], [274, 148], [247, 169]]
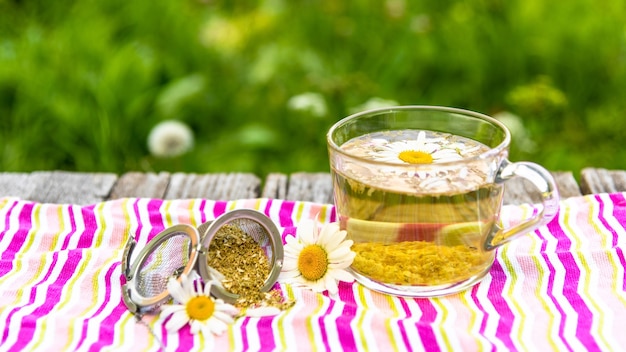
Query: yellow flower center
[[200, 308], [415, 157], [313, 262]]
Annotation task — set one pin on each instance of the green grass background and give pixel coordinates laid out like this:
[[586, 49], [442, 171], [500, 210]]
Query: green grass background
[[82, 83]]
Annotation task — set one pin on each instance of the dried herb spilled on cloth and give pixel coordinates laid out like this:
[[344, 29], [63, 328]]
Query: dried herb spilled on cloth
[[245, 267]]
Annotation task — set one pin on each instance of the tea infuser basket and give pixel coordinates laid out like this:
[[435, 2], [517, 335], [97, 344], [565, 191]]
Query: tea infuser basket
[[261, 229], [182, 248]]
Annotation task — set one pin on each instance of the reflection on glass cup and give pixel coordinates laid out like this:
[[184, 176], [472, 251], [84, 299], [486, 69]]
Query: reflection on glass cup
[[419, 191]]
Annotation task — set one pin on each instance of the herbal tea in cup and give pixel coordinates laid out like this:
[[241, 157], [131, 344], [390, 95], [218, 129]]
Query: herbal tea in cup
[[419, 191]]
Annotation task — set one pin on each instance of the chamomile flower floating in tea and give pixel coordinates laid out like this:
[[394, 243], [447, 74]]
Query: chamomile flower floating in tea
[[196, 307], [418, 151], [317, 259]]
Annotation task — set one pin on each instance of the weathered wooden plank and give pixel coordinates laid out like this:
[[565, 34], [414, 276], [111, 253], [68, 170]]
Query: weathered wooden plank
[[141, 185], [310, 186], [219, 186], [519, 190], [566, 183], [598, 180], [275, 186], [70, 187], [15, 184]]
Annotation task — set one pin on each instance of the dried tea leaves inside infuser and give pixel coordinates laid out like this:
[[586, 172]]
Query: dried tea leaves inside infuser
[[243, 250]]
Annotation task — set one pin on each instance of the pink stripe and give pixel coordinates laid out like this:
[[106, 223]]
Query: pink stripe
[[18, 239], [266, 334], [322, 325], [344, 331], [68, 236], [286, 213], [91, 225], [483, 322], [333, 214], [244, 334], [155, 217], [570, 286], [107, 327], [424, 325], [268, 207], [494, 294], [53, 296], [407, 314], [348, 313], [551, 276], [203, 218], [219, 208], [619, 212]]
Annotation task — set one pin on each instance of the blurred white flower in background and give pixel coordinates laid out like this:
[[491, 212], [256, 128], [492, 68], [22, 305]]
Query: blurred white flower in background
[[313, 103], [373, 103], [395, 8], [169, 139], [519, 134], [421, 24]]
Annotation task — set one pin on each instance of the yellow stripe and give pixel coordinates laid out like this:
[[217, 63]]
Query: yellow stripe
[[390, 330], [519, 312], [299, 211], [322, 214], [541, 275], [68, 298], [365, 308], [41, 332], [257, 204], [595, 210], [168, 216], [192, 215], [125, 321], [36, 226], [281, 320], [473, 311], [314, 315]]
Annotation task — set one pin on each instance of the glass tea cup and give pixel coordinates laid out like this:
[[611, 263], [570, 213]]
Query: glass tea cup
[[419, 190]]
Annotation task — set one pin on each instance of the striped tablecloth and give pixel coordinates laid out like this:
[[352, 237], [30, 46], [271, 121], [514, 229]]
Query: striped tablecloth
[[562, 287]]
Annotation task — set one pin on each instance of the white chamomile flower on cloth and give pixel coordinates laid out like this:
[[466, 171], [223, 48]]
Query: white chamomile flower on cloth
[[419, 151], [317, 259], [196, 307]]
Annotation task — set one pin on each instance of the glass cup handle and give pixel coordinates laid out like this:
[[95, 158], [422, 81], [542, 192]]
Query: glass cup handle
[[546, 186]]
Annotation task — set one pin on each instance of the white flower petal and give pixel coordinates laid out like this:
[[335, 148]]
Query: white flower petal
[[331, 284], [169, 309], [262, 312], [216, 326], [306, 232], [227, 309], [223, 317], [343, 264], [342, 275], [339, 254], [286, 275], [176, 290], [177, 321], [289, 265], [331, 236], [196, 326]]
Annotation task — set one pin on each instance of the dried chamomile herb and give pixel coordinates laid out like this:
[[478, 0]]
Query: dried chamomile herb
[[244, 267]]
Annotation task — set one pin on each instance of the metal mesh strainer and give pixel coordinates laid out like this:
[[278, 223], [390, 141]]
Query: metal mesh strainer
[[261, 229], [183, 248]]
